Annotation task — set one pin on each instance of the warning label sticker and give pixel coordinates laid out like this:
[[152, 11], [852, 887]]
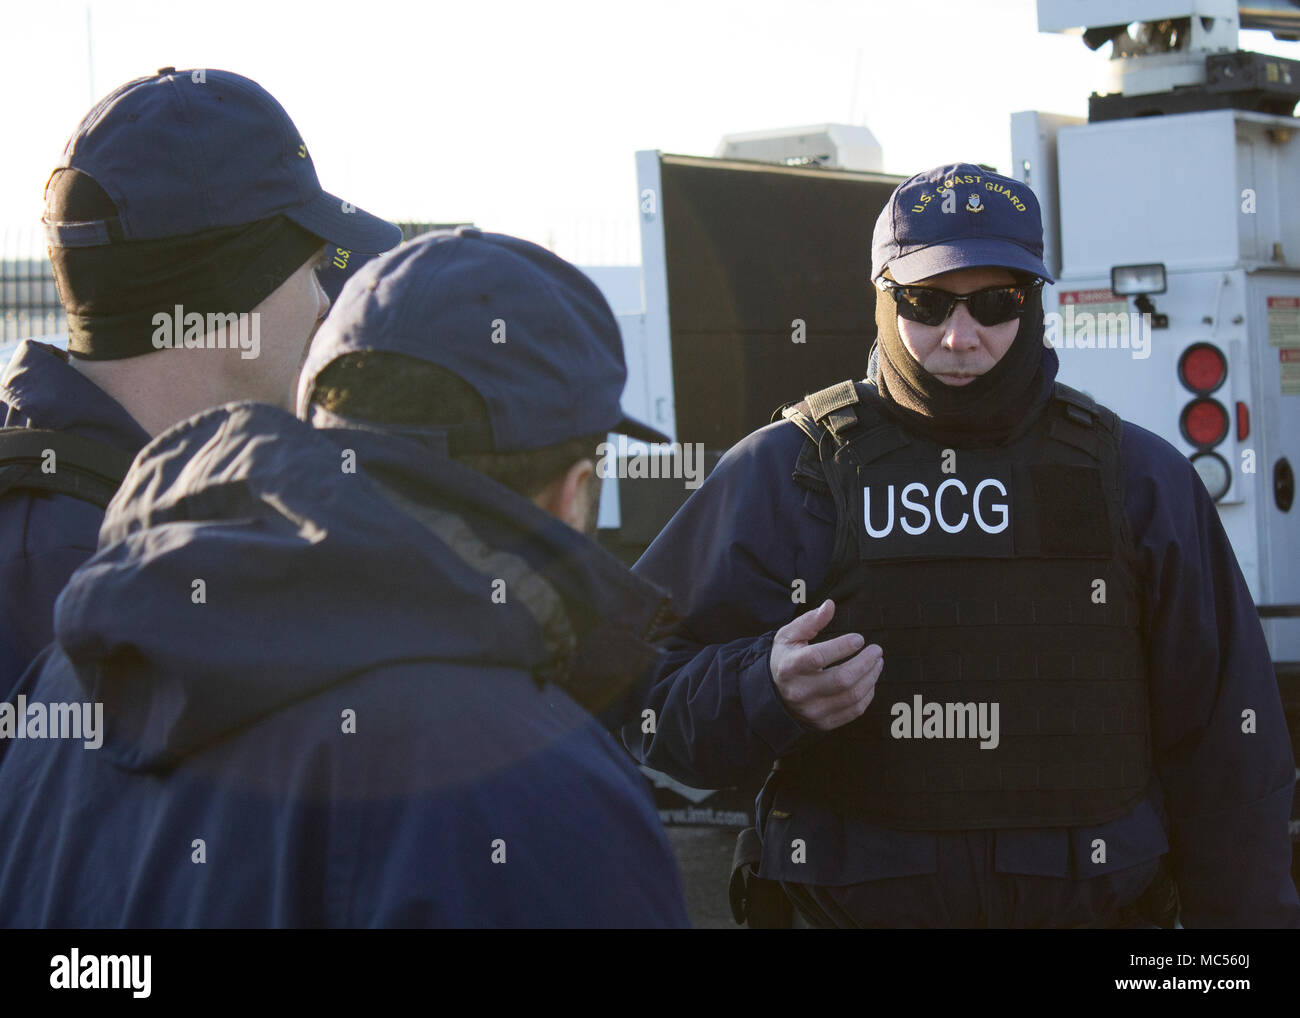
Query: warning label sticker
[[1098, 302], [1284, 321], [1289, 369]]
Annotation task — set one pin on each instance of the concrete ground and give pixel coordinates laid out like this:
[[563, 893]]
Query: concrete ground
[[704, 855]]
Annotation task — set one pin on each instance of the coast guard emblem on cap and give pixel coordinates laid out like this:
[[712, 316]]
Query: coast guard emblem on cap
[[973, 203]]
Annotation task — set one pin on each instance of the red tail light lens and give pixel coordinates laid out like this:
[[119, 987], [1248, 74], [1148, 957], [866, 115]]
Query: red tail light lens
[[1204, 422], [1202, 368]]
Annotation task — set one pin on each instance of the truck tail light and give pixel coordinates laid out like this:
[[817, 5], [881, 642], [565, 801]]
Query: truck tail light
[[1202, 368], [1214, 473], [1204, 422], [1243, 421]]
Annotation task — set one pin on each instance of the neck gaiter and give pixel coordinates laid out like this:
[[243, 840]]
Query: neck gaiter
[[983, 412]]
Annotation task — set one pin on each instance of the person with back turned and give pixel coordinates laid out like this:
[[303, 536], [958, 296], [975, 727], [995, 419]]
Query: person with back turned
[[359, 671], [186, 225]]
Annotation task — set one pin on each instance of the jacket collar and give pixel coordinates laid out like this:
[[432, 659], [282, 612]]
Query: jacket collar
[[600, 620], [43, 390]]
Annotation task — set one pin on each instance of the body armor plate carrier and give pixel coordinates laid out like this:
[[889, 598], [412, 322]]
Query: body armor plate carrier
[[1002, 586]]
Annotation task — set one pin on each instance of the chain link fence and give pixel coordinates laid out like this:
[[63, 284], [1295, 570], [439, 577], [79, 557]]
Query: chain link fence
[[29, 299]]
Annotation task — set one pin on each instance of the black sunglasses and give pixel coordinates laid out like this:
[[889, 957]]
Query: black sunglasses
[[992, 305]]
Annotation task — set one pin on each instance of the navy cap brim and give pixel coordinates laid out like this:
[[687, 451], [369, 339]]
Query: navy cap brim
[[968, 253], [332, 278], [643, 432], [345, 225]]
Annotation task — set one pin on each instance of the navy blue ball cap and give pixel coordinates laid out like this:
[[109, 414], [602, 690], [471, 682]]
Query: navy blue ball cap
[[181, 152], [531, 333], [958, 216], [341, 264]]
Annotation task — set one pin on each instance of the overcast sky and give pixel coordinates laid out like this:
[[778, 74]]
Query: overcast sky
[[524, 116]]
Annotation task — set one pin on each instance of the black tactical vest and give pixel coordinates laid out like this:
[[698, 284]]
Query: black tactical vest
[[1002, 586]]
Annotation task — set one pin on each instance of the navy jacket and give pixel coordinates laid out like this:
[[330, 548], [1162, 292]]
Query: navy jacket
[[316, 713], [43, 538], [1223, 798]]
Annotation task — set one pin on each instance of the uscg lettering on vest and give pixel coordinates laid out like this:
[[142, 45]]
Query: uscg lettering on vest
[[914, 511]]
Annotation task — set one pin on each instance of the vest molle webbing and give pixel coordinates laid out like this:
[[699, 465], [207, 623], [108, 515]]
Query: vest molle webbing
[[1002, 586]]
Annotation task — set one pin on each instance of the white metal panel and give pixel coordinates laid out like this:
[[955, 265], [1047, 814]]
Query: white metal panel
[[647, 346], [1202, 307], [656, 367], [1268, 174], [1154, 189], [1033, 161], [610, 516], [621, 285], [1275, 433], [1146, 389], [1248, 173]]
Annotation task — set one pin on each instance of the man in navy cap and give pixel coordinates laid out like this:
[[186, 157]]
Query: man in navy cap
[[359, 678], [185, 224], [1034, 690]]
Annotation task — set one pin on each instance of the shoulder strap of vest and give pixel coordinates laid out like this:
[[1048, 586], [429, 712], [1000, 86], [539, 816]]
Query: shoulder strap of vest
[[1099, 431], [81, 467], [833, 411], [1081, 418], [1078, 405]]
